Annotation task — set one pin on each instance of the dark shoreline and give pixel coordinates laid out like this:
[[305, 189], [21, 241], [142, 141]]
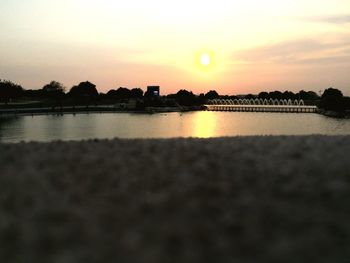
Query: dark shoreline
[[112, 109], [334, 114], [90, 109]]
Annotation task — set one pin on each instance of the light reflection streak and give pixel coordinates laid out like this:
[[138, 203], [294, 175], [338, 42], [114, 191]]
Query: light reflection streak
[[204, 125]]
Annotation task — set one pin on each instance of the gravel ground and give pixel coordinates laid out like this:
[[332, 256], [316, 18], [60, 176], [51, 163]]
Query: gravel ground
[[244, 199]]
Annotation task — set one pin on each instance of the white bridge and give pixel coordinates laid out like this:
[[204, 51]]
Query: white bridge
[[260, 105]]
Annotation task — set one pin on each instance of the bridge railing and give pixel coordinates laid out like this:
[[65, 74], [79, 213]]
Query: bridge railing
[[257, 102], [263, 108]]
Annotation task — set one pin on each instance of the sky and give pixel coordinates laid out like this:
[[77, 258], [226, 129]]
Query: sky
[[251, 45]]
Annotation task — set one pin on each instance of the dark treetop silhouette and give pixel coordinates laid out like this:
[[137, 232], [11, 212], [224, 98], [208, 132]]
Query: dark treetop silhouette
[[10, 90], [85, 93]]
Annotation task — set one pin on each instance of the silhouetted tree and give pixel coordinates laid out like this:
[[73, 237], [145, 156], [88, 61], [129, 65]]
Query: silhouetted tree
[[201, 99], [125, 93], [276, 95], [332, 99], [120, 94], [54, 87], [313, 95], [84, 89], [10, 90], [250, 96], [84, 93], [136, 93], [186, 98], [263, 95], [307, 95], [54, 90], [346, 103], [288, 95], [211, 95]]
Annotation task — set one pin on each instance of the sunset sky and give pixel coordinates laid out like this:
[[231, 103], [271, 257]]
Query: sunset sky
[[248, 46]]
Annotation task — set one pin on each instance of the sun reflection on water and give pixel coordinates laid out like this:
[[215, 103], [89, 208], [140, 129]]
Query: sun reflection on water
[[204, 125]]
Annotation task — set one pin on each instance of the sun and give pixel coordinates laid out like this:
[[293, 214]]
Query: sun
[[205, 59]]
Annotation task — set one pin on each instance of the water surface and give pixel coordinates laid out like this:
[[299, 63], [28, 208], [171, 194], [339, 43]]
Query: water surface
[[170, 125]]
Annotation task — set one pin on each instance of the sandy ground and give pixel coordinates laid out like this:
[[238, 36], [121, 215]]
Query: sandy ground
[[249, 199]]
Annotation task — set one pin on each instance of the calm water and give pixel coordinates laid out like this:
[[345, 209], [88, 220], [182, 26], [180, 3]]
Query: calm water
[[192, 124]]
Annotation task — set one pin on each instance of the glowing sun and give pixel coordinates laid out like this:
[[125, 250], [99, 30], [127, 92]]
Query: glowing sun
[[205, 60]]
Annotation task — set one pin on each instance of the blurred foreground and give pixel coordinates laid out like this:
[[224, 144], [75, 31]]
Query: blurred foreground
[[247, 199]]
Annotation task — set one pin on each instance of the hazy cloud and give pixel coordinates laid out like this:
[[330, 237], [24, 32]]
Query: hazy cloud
[[327, 60], [333, 19], [298, 52]]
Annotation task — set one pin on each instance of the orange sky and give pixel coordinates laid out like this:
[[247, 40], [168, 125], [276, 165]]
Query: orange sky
[[253, 45]]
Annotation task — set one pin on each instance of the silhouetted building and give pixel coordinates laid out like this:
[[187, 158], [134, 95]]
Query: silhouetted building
[[153, 91]]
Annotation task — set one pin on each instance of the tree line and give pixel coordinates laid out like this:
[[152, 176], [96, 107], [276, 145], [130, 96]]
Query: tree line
[[86, 93], [55, 91]]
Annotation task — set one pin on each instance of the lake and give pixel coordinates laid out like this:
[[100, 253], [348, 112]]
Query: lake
[[200, 124]]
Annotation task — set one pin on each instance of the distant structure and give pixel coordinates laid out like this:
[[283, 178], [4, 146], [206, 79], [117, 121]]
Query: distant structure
[[260, 105], [153, 91]]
